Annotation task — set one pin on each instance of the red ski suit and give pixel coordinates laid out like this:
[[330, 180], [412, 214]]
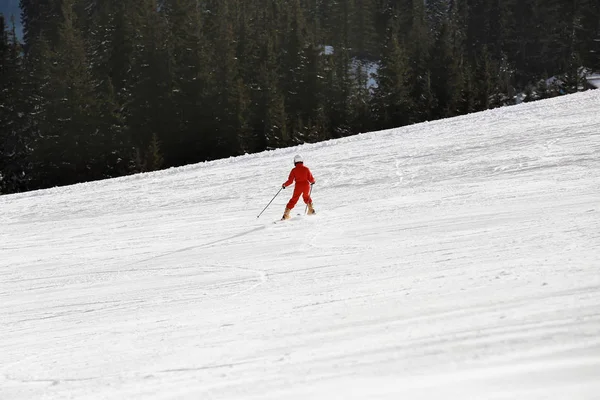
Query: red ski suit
[[304, 179]]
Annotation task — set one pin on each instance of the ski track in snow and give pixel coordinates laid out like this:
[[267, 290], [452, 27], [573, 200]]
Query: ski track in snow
[[456, 259]]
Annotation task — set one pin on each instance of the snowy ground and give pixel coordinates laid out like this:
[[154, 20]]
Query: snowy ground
[[457, 259]]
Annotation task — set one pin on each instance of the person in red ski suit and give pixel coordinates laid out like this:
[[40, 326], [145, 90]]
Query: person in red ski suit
[[304, 181]]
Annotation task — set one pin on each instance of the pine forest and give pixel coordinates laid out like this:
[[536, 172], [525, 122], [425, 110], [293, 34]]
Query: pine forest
[[95, 89]]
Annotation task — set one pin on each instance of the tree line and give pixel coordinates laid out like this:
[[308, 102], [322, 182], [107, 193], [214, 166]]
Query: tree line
[[104, 88]]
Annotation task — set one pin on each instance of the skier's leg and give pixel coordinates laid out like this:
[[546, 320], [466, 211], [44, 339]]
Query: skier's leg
[[306, 196], [295, 197], [308, 200]]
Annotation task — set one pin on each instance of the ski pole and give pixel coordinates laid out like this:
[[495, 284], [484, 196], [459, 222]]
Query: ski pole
[[270, 202], [309, 193]]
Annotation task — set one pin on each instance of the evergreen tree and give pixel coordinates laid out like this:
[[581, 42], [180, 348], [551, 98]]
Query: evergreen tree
[[154, 158], [191, 73], [294, 64], [114, 139], [141, 71], [485, 73], [393, 105], [40, 18], [445, 60], [272, 118], [418, 48], [343, 86], [14, 141], [362, 118], [231, 97], [587, 33], [66, 150], [269, 112], [363, 41]]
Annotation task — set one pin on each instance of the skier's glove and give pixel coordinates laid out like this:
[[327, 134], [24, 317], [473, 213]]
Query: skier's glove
[[283, 186]]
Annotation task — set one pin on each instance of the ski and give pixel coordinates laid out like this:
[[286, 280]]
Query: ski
[[294, 218]]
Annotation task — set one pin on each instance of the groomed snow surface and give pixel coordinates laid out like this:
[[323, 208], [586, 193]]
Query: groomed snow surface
[[458, 259]]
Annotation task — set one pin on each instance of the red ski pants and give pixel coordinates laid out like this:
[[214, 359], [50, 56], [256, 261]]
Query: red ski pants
[[300, 189]]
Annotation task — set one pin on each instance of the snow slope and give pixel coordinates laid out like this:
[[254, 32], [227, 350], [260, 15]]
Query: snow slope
[[457, 259]]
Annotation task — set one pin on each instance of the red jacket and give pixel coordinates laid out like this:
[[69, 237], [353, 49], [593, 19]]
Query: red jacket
[[300, 174]]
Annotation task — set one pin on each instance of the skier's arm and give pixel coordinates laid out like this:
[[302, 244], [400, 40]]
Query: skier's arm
[[311, 179], [290, 180]]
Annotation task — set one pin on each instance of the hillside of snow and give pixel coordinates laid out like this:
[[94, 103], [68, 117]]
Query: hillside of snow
[[458, 259]]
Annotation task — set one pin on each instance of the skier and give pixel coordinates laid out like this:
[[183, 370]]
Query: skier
[[304, 181]]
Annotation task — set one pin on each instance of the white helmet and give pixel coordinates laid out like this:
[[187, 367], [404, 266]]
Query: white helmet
[[298, 159]]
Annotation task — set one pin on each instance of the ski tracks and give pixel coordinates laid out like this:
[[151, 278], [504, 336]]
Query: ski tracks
[[261, 275]]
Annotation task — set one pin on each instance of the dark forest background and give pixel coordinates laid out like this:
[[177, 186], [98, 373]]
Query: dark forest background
[[102, 88]]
